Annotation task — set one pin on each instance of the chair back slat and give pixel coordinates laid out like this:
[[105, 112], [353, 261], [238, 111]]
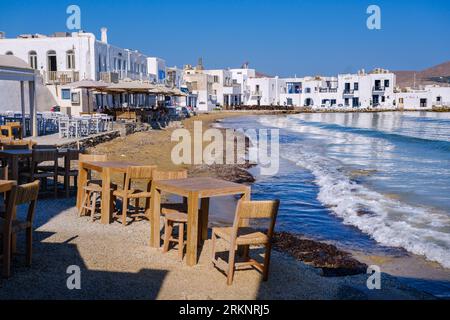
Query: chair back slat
[[247, 210], [140, 172], [44, 146], [15, 147], [72, 154], [92, 157], [44, 155], [27, 193], [257, 209], [169, 175]]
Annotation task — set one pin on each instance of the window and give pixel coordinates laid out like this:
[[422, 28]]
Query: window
[[356, 86], [308, 90], [75, 98], [383, 98], [32, 59], [65, 94], [386, 83], [70, 58], [216, 79]]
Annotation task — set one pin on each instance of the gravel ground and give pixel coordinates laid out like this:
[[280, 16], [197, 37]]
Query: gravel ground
[[117, 263]]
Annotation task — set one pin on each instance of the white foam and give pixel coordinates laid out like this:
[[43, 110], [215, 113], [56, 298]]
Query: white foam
[[388, 221]]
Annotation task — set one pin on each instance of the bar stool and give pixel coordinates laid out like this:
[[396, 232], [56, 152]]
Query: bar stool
[[175, 214], [91, 195], [174, 217], [92, 191]]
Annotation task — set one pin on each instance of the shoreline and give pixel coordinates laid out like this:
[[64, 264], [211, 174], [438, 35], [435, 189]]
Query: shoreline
[[154, 148], [342, 262]]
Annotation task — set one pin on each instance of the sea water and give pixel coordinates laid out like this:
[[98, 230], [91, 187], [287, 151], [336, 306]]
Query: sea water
[[365, 181]]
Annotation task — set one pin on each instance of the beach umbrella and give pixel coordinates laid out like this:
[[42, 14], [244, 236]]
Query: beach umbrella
[[88, 85], [131, 87]]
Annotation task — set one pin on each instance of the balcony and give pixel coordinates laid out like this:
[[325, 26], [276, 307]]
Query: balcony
[[327, 90], [378, 89], [110, 77], [349, 92], [62, 77], [256, 94]]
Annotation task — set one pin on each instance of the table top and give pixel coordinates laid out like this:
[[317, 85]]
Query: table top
[[6, 185], [114, 165], [205, 187], [29, 152]]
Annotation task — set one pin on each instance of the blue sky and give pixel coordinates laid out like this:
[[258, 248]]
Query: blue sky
[[278, 37]]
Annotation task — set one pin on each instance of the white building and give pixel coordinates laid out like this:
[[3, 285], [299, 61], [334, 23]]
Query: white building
[[423, 99], [225, 91], [265, 91], [156, 69], [361, 90], [240, 77], [200, 85], [64, 58]]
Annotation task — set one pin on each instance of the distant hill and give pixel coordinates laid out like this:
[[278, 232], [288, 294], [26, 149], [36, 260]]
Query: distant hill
[[439, 74]]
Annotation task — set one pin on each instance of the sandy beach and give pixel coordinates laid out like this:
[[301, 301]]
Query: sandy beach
[[117, 262]]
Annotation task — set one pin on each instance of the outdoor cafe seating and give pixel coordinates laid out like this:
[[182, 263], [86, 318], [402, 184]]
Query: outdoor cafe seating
[[26, 161]]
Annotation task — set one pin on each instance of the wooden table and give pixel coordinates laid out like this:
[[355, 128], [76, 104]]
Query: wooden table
[[194, 189], [105, 168], [13, 157]]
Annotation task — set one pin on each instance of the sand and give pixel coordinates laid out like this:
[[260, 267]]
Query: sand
[[116, 262]]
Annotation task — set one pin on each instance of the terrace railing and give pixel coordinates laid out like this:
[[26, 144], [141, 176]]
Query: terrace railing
[[325, 90], [62, 77], [110, 77], [348, 92], [378, 89]]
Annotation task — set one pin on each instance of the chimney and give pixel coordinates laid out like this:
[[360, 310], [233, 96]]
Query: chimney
[[104, 35]]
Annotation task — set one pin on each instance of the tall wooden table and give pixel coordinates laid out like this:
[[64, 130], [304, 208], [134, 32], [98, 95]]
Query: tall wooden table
[[194, 189], [105, 168], [14, 155]]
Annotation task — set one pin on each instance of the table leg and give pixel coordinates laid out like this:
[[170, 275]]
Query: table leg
[[15, 168], [106, 196], [192, 229], [204, 213], [82, 180], [155, 218]]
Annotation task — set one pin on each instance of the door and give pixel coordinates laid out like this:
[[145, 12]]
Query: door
[[423, 103]]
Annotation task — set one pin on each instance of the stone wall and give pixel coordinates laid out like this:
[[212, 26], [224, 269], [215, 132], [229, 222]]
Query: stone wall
[[91, 141]]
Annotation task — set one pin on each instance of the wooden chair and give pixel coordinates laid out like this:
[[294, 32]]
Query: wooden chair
[[24, 194], [43, 173], [21, 146], [141, 174], [92, 191], [175, 214], [243, 236]]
